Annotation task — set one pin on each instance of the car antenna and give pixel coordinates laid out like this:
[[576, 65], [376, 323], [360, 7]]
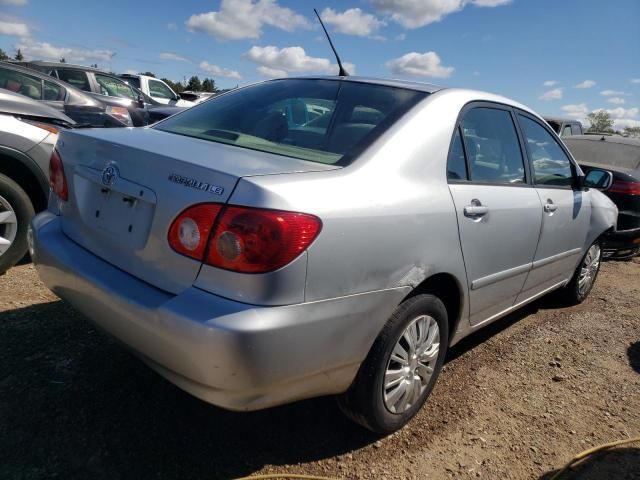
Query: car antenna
[[342, 72]]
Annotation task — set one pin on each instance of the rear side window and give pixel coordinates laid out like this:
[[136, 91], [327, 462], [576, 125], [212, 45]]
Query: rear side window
[[492, 146], [326, 121], [566, 131], [551, 166], [76, 78], [18, 82], [456, 164], [576, 129]]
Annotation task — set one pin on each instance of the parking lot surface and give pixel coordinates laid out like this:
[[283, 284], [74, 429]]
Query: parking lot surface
[[515, 401]]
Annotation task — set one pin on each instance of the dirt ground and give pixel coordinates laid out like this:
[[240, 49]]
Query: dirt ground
[[515, 401]]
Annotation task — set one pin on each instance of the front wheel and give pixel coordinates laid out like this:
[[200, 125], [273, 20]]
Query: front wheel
[[16, 211], [584, 277], [402, 367]]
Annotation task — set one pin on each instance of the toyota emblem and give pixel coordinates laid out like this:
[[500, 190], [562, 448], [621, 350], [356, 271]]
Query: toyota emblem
[[109, 175]]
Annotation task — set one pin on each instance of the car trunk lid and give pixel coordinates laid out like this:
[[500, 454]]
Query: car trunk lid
[[127, 186]]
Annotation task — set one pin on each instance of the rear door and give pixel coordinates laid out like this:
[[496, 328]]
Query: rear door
[[499, 213], [566, 211]]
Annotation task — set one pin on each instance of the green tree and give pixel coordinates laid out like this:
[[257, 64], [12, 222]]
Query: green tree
[[175, 86], [19, 55], [194, 84], [209, 85], [148, 74], [632, 131], [3, 55], [63, 60], [600, 121]]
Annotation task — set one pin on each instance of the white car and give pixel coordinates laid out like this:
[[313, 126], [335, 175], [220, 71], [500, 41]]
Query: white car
[[156, 89]]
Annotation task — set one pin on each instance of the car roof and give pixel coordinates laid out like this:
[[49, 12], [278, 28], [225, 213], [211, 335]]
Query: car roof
[[419, 86], [610, 151], [74, 66], [561, 120]]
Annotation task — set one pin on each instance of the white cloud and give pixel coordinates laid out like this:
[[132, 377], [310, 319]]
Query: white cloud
[[239, 19], [14, 29], [174, 57], [17, 3], [217, 71], [401, 36], [621, 112], [172, 26], [616, 100], [352, 21], [554, 94], [621, 123], [575, 110], [291, 59], [271, 72], [549, 83], [418, 13], [611, 93], [426, 64], [45, 51], [586, 84], [635, 80]]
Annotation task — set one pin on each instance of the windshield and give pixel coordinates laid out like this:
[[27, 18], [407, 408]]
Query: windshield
[[324, 121]]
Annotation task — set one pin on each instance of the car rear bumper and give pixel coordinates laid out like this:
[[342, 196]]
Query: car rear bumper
[[622, 243], [234, 355]]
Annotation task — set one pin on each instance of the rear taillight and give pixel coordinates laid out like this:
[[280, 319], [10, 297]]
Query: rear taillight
[[121, 114], [189, 232], [627, 188], [57, 179], [247, 240]]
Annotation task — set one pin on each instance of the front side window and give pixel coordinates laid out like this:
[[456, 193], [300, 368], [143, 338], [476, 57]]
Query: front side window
[[326, 121], [18, 82], [53, 92], [77, 78], [492, 146], [112, 87], [551, 166], [160, 90]]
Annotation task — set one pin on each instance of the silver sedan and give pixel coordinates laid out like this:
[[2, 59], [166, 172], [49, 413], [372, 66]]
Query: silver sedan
[[315, 236]]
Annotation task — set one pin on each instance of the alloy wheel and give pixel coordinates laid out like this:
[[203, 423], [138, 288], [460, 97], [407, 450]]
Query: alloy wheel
[[8, 225], [589, 269]]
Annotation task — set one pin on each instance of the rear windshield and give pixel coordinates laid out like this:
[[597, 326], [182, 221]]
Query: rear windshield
[[326, 121]]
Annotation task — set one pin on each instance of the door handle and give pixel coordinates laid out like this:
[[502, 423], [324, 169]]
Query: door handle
[[476, 209], [550, 207]]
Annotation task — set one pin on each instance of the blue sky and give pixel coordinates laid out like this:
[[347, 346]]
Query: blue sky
[[511, 47]]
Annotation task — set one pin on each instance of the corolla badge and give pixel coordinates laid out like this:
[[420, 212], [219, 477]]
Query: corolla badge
[[109, 175]]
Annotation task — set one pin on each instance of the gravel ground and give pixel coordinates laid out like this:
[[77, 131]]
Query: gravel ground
[[515, 401]]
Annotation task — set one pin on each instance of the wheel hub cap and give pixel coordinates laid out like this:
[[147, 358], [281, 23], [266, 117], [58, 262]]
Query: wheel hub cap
[[8, 225], [411, 364], [589, 269]]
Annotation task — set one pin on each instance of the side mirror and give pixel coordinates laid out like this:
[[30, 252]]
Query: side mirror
[[598, 179]]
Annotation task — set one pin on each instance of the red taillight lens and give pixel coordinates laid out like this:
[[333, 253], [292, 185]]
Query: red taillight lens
[[189, 232], [252, 240], [247, 240], [57, 179], [627, 188]]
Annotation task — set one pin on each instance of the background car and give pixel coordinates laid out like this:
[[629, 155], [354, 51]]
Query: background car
[[565, 127], [621, 157], [28, 133], [82, 107], [156, 89]]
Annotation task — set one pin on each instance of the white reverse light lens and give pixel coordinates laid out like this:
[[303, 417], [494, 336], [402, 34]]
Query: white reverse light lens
[[189, 234]]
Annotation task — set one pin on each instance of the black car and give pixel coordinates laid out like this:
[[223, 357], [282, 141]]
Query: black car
[[621, 157], [107, 87], [83, 108]]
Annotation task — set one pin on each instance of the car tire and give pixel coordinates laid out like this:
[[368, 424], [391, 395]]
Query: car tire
[[16, 211], [377, 406], [578, 288]]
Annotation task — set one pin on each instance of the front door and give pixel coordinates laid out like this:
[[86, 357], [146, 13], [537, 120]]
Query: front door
[[499, 212], [566, 211]]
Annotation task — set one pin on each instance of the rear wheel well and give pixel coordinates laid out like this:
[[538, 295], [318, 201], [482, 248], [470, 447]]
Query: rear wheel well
[[26, 179], [448, 290]]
